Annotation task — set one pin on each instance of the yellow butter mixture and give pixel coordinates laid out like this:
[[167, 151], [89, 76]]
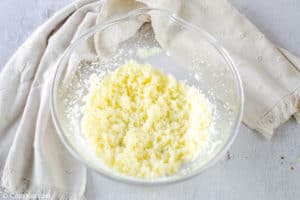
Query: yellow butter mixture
[[144, 123]]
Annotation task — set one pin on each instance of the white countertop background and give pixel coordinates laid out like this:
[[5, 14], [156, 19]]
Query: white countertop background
[[254, 168]]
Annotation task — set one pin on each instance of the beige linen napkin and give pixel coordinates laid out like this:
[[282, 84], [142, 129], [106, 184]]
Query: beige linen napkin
[[32, 159]]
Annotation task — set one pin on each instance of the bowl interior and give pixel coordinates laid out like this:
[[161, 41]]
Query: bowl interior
[[177, 48]]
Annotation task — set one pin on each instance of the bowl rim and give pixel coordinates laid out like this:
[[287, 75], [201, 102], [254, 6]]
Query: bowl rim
[[224, 53]]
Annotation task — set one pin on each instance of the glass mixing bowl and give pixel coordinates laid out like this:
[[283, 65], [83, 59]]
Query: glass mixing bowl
[[176, 47]]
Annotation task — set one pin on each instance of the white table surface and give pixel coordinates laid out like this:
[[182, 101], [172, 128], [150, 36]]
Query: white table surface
[[257, 169]]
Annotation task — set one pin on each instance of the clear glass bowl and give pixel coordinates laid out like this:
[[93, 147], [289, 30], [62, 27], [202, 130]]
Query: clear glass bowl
[[178, 48]]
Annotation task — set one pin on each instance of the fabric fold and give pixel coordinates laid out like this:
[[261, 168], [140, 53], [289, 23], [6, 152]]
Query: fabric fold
[[35, 161]]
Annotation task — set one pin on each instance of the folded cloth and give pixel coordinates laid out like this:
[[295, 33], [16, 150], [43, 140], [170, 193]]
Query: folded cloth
[[32, 159]]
